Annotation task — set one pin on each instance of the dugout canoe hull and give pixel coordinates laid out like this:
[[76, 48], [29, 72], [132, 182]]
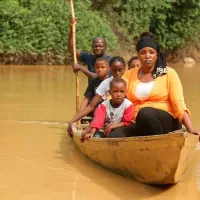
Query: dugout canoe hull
[[157, 159]]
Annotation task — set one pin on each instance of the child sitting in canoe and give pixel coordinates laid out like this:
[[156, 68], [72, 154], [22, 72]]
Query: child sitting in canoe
[[133, 62], [101, 69], [113, 113], [117, 68]]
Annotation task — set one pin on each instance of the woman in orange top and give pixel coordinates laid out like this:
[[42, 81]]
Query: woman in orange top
[[156, 92]]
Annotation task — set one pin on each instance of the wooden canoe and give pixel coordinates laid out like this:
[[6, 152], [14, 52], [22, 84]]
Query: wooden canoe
[[157, 159]]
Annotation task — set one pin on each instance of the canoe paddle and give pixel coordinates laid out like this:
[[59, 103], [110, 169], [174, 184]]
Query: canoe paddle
[[74, 55]]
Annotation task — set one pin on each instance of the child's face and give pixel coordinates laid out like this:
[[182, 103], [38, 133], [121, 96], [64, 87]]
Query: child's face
[[117, 69], [118, 92], [101, 68], [134, 63]]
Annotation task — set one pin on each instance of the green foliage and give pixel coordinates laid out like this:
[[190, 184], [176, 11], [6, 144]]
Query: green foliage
[[40, 26], [174, 22], [91, 24], [177, 24]]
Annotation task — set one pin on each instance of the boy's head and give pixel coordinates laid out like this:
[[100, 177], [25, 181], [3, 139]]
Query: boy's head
[[117, 91], [133, 62], [117, 66], [101, 67]]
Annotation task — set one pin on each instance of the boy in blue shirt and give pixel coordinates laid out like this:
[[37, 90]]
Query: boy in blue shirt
[[101, 68]]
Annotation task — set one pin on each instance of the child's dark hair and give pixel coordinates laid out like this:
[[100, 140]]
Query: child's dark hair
[[131, 59], [117, 80], [101, 59], [117, 59]]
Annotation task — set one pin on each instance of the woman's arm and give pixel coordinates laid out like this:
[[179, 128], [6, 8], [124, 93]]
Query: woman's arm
[[176, 95], [188, 123], [178, 103]]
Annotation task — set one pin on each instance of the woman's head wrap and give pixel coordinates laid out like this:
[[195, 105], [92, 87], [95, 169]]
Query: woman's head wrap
[[160, 65]]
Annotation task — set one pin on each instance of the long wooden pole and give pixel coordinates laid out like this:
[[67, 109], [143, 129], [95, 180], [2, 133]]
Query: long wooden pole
[[74, 54]]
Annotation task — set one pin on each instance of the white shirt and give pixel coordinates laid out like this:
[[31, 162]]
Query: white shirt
[[115, 115], [104, 87], [143, 89]]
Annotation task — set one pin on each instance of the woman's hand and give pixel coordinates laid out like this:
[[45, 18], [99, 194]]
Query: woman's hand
[[196, 133], [188, 124]]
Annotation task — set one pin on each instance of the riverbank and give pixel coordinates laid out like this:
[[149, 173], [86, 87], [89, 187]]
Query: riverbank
[[50, 58], [36, 32]]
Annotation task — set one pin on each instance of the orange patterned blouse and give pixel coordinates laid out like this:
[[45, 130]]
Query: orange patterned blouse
[[166, 94]]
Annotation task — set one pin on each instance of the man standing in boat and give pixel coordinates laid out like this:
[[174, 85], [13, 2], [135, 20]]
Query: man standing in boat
[[98, 49]]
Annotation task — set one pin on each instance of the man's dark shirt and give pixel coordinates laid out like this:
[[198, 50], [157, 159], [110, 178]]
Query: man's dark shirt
[[89, 60]]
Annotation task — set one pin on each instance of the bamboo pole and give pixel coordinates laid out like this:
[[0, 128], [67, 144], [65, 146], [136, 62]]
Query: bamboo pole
[[74, 55]]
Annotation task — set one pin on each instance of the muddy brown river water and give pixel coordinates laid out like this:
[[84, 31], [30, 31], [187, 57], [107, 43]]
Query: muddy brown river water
[[38, 160]]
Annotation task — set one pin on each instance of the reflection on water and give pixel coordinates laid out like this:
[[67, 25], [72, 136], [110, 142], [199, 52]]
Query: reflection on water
[[38, 161], [191, 88], [38, 93]]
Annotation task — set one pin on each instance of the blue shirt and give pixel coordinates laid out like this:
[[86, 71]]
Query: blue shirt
[[91, 90], [89, 59]]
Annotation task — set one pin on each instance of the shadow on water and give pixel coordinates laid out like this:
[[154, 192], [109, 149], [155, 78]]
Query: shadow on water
[[122, 187]]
